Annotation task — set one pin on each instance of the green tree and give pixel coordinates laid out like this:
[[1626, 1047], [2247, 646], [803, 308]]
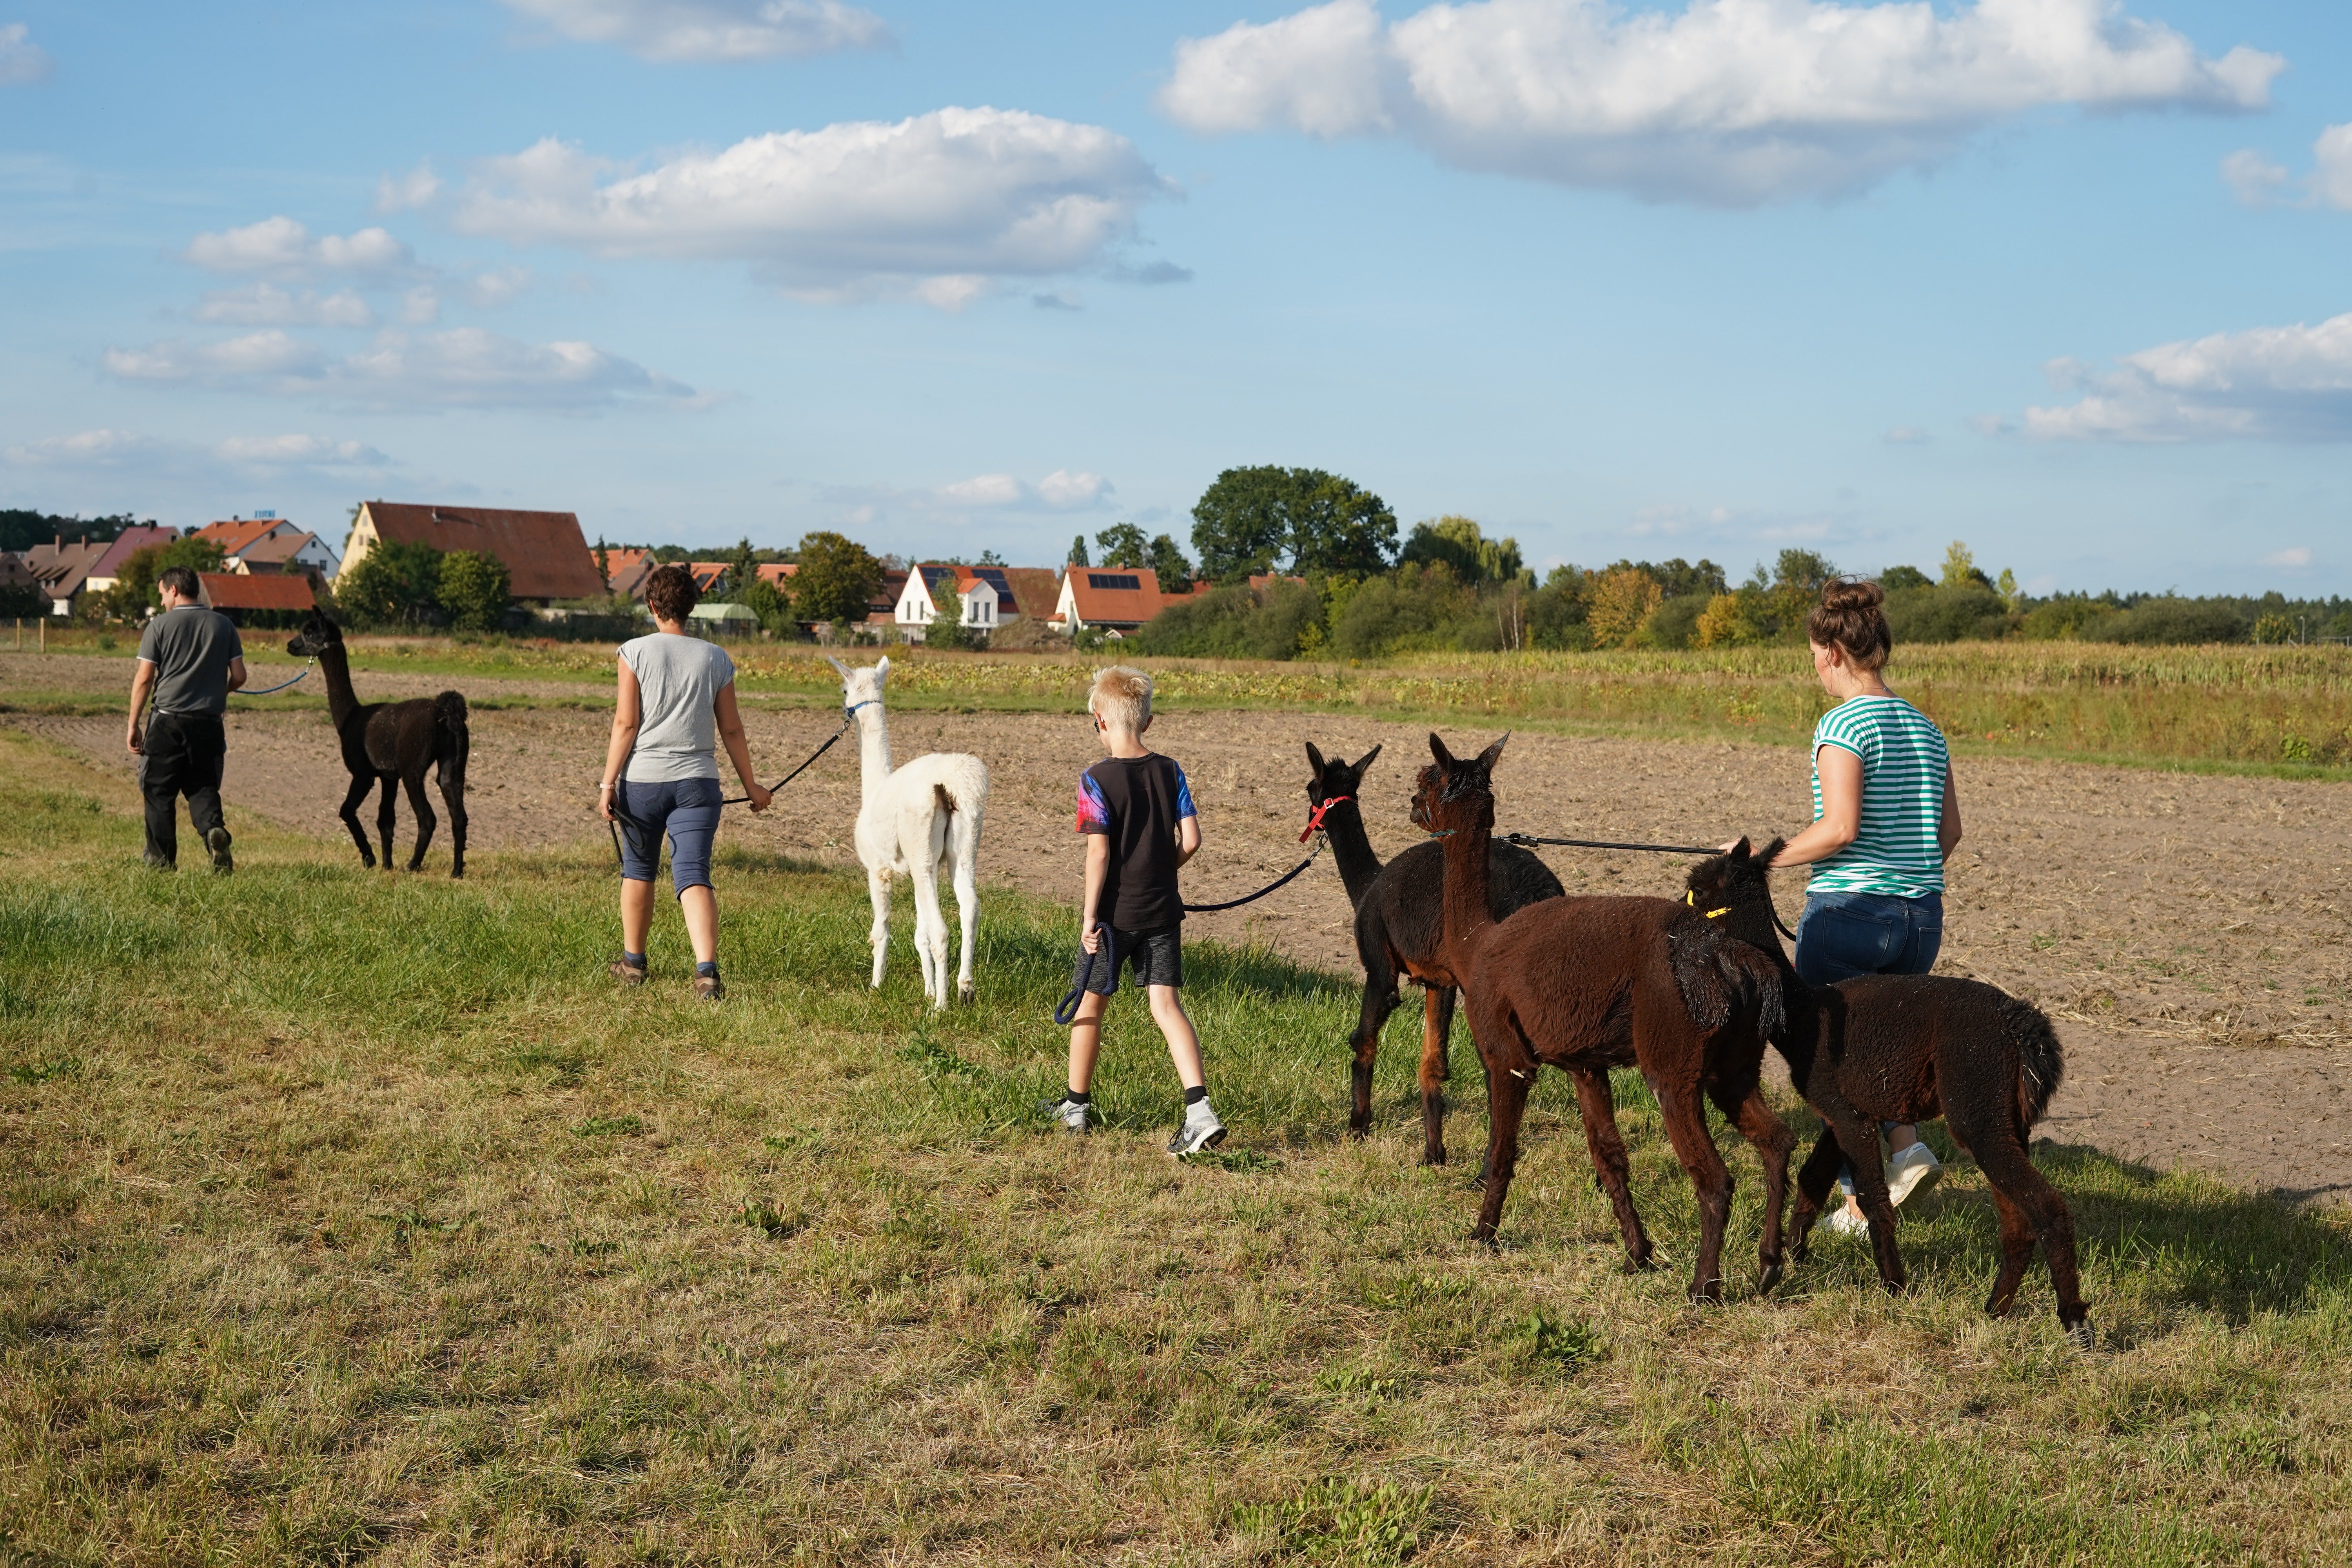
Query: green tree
[[134, 592], [1169, 565], [1122, 544], [1458, 543], [742, 570], [392, 584], [1312, 520], [1896, 578], [604, 563], [1960, 569], [1078, 551], [472, 590], [838, 580], [765, 600], [947, 629]]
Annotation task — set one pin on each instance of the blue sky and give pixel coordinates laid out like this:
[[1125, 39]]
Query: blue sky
[[2060, 277]]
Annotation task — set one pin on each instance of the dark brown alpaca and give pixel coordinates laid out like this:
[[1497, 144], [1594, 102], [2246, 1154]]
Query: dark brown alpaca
[[393, 743], [1401, 935], [1908, 1048], [1588, 984]]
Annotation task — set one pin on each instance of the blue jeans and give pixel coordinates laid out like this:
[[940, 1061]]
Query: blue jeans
[[688, 809], [1842, 935]]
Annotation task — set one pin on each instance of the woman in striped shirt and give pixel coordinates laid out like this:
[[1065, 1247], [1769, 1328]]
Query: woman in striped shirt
[[1886, 818]]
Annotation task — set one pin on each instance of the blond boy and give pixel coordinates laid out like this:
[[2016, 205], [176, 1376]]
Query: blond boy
[[1135, 812]]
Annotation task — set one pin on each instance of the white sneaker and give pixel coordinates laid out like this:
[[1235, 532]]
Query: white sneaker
[[1843, 1221], [1070, 1115], [1913, 1169], [1202, 1130]]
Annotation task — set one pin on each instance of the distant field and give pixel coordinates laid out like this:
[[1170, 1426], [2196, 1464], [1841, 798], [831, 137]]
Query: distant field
[[351, 1215], [2282, 711]]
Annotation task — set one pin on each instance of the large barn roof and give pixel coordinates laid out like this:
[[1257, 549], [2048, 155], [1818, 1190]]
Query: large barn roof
[[236, 591], [546, 555]]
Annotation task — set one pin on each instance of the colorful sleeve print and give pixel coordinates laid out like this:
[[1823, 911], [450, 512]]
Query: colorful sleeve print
[[1183, 794], [1094, 812]]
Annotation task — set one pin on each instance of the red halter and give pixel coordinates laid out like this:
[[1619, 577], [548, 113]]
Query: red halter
[[1315, 821]]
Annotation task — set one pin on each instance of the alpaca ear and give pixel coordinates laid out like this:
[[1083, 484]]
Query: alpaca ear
[[1364, 765], [1437, 749], [838, 666], [1494, 754], [1740, 850], [1315, 759], [882, 670]]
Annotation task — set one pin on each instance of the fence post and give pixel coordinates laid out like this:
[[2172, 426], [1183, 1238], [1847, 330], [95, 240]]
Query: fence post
[[45, 634]]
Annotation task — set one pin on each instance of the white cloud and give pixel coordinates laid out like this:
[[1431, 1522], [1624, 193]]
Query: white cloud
[[498, 285], [124, 450], [2282, 383], [942, 206], [2292, 560], [2261, 183], [21, 59], [398, 193], [268, 305], [983, 496], [421, 306], [1906, 436], [713, 30], [460, 367], [1729, 102], [283, 246], [1061, 491]]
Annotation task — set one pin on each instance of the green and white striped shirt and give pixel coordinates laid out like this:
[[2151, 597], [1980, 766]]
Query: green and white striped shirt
[[1904, 766]]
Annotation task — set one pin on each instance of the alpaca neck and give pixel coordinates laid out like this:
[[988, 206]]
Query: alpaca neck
[[873, 752], [1352, 847], [1468, 900], [341, 700]]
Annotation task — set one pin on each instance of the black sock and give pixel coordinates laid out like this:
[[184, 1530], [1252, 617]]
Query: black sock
[[634, 960], [1194, 1095], [707, 971], [1077, 1097]]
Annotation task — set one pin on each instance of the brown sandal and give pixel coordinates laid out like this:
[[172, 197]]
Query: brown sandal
[[707, 988], [628, 973]]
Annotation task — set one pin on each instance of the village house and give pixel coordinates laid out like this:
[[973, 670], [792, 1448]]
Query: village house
[[107, 571], [547, 557], [1110, 599], [266, 545], [61, 571], [966, 593], [258, 598]]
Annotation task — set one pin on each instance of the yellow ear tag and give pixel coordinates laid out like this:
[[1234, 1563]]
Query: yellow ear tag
[[1712, 914], [1690, 897]]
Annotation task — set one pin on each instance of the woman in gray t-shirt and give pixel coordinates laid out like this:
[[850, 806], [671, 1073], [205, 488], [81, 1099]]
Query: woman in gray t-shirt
[[677, 703]]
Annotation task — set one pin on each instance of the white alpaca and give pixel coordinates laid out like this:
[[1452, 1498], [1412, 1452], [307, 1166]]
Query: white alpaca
[[921, 821]]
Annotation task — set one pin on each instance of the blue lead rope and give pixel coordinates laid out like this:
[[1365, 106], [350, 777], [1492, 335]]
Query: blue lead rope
[[280, 686], [1082, 978]]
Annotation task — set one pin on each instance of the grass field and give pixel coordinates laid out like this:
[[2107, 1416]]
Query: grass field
[[2273, 711], [354, 1216]]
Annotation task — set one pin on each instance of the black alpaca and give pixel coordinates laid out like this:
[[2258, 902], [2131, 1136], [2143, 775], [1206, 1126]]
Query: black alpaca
[[1401, 935], [393, 743], [1907, 1047]]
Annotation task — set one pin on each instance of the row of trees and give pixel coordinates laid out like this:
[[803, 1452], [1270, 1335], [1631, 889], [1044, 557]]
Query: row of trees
[[835, 580], [405, 586]]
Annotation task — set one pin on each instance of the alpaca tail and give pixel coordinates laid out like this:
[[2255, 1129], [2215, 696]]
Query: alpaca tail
[[453, 739], [2041, 1059]]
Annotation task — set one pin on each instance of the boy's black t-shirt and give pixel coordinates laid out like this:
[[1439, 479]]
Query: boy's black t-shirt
[[1136, 802]]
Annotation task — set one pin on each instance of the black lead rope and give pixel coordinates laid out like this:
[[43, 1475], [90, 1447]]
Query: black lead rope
[[1283, 881], [1529, 840], [1065, 1011]]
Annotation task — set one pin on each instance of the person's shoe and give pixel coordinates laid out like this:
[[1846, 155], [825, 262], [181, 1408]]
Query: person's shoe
[[1069, 1115], [628, 973], [1843, 1221], [1913, 1169], [217, 840], [158, 863], [707, 988], [1202, 1130]]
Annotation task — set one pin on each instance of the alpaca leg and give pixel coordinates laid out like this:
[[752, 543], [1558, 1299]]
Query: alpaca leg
[[931, 932], [352, 797], [1772, 1141], [1506, 1102], [1436, 1028], [425, 820], [1599, 1105], [1686, 1118], [1813, 1185], [1379, 1000], [877, 890], [2031, 1208], [383, 814], [963, 848], [453, 795], [1859, 1138]]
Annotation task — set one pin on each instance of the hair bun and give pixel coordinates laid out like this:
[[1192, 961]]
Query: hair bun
[[1845, 594]]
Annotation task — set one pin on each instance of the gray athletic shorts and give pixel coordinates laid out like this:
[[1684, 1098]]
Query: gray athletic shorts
[[1154, 957]]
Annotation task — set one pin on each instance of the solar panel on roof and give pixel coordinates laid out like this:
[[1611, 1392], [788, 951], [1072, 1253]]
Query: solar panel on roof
[[1113, 580]]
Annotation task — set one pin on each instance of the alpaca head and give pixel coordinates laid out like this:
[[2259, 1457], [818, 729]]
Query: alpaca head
[[862, 687], [1452, 794], [318, 635], [1744, 875], [1335, 776]]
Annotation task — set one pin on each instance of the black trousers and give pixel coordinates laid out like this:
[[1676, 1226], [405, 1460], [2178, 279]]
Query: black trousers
[[183, 755]]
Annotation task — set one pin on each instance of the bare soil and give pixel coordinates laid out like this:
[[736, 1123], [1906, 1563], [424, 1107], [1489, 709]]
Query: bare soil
[[2188, 932]]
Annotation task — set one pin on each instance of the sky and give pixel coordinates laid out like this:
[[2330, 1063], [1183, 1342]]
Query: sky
[[2063, 278]]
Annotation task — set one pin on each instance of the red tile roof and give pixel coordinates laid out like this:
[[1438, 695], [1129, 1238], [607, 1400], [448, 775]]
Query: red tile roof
[[776, 572], [707, 573], [1035, 591], [238, 532], [1118, 595], [236, 591], [546, 555], [132, 539]]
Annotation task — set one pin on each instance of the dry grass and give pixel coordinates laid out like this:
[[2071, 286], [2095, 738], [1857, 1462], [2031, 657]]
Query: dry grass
[[351, 1215]]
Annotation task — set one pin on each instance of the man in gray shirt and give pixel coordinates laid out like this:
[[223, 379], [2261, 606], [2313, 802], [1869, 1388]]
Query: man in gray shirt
[[190, 661]]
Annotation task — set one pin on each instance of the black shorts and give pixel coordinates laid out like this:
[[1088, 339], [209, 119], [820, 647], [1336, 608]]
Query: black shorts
[[1155, 958]]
